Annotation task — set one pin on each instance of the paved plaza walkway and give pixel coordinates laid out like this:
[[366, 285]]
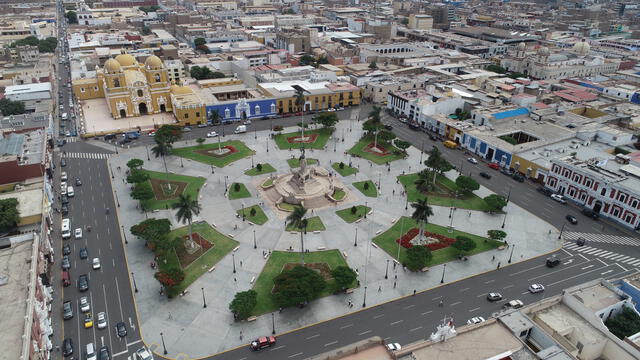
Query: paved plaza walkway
[[194, 331]]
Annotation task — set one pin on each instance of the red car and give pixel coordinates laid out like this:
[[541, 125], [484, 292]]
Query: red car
[[494, 166], [263, 342]]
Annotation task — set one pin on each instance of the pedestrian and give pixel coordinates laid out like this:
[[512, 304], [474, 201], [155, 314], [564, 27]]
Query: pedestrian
[[498, 265], [394, 192], [240, 334], [396, 276], [394, 266], [414, 292], [379, 288], [394, 284], [469, 213], [240, 263], [58, 348], [493, 258]]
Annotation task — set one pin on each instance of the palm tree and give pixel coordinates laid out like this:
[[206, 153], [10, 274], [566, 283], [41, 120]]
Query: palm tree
[[214, 116], [421, 213], [423, 183], [296, 218], [300, 101], [374, 116], [162, 149], [187, 208]]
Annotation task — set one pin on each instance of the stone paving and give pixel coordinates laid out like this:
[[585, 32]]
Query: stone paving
[[184, 321]]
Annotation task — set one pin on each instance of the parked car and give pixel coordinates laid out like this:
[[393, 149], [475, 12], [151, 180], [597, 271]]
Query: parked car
[[121, 329], [513, 304], [536, 288], [67, 347], [202, 125], [472, 160], [485, 175], [572, 219], [65, 263], [475, 320], [66, 249], [78, 233], [103, 353], [394, 347], [494, 296], [83, 283], [559, 198], [143, 354], [88, 321], [212, 134], [494, 166], [102, 320], [64, 209], [63, 163], [78, 182], [590, 213], [552, 261], [67, 310], [263, 342], [63, 176], [186, 129], [64, 199], [388, 127]]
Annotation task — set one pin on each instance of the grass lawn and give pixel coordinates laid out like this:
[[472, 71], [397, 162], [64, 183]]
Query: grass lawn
[[314, 224], [273, 267], [387, 241], [267, 183], [442, 195], [295, 162], [286, 206], [339, 194], [260, 217], [266, 168], [322, 135], [358, 149], [349, 217], [345, 171], [193, 185], [222, 245], [195, 153], [370, 192], [241, 193]]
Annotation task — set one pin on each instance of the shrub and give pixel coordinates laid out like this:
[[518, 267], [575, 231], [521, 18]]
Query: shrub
[[354, 210], [366, 185], [259, 167], [253, 212], [341, 165], [278, 128], [236, 187]]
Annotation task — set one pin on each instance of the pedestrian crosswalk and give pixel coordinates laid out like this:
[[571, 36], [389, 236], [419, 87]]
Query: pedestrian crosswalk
[[588, 250], [603, 238], [83, 155], [71, 139]]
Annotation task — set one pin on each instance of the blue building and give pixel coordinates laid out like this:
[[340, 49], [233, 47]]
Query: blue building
[[487, 150], [243, 109]]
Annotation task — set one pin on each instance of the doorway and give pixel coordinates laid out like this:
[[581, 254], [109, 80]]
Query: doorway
[[123, 113], [597, 207], [142, 107], [163, 108]]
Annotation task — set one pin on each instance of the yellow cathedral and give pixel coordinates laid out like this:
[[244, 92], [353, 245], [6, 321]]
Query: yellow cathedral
[[133, 89]]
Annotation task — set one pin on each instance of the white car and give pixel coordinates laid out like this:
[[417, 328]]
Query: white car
[[63, 176], [212, 134], [558, 198], [536, 288], [78, 233], [84, 304], [143, 354], [394, 347], [95, 263], [247, 122], [63, 186], [472, 160], [102, 320], [475, 320]]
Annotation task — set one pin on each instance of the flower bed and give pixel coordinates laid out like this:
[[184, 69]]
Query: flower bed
[[443, 241], [378, 151], [308, 139]]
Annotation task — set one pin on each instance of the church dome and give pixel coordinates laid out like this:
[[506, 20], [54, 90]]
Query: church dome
[[543, 51], [153, 62], [112, 66], [582, 48], [126, 60], [522, 46]]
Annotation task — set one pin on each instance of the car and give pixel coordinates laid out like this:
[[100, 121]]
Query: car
[[494, 296], [580, 241], [63, 176], [65, 263], [67, 310], [84, 253], [103, 353], [66, 249], [247, 122], [552, 261], [121, 329], [475, 320], [78, 233], [394, 347], [95, 263], [494, 166], [143, 354], [485, 175], [559, 198], [472, 160], [513, 304], [78, 182], [590, 213], [388, 127], [212, 134], [152, 133], [186, 129], [67, 347], [102, 320], [109, 137], [83, 283], [63, 162], [84, 304], [64, 199], [61, 142], [331, 109], [572, 219], [202, 125], [64, 209], [536, 288], [263, 342], [517, 177], [88, 321]]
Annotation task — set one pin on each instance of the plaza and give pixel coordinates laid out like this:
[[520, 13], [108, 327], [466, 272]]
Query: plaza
[[183, 319]]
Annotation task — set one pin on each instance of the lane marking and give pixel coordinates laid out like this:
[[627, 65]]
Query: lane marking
[[506, 287], [426, 312], [465, 289], [456, 303], [587, 267], [313, 336], [365, 332], [436, 298], [279, 347], [620, 266], [378, 316], [489, 282], [396, 322], [346, 326], [408, 307], [331, 343], [606, 272], [474, 309], [294, 355], [603, 263], [415, 329]]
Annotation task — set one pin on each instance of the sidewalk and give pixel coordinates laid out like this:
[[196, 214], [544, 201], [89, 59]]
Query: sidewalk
[[185, 323]]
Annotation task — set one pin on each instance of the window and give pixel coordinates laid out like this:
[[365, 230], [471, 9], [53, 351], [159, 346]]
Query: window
[[634, 203], [116, 83], [95, 88], [604, 191], [197, 114], [273, 107], [186, 115], [615, 212], [139, 93], [227, 113], [622, 197], [256, 110], [81, 90], [157, 77]]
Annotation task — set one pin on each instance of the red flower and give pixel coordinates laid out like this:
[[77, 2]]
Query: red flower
[[443, 241]]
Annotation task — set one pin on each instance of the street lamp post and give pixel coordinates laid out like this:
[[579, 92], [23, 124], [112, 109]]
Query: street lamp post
[[233, 258], [252, 161], [111, 168], [355, 242], [513, 246], [561, 231], [364, 300], [163, 345], [225, 184], [135, 287], [255, 132], [204, 300], [386, 272], [504, 219], [406, 204], [115, 145], [124, 234], [421, 151], [273, 323], [509, 194], [181, 163], [255, 245], [243, 217], [379, 179], [213, 172], [444, 267], [117, 201], [147, 147], [365, 209]]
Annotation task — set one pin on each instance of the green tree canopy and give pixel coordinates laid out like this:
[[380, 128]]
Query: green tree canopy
[[386, 135], [624, 324], [243, 303], [8, 107], [199, 42], [344, 277], [371, 126], [9, 214], [495, 202], [137, 176], [203, 73], [168, 134], [148, 9], [135, 164], [373, 65], [327, 119], [297, 286], [437, 162], [467, 184], [463, 244], [418, 257], [71, 16], [307, 59], [401, 144], [152, 230], [496, 69], [498, 235], [142, 192], [170, 277]]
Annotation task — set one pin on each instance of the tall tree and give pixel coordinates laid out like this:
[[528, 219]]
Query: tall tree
[[9, 214], [327, 119], [418, 257], [243, 304], [375, 123], [296, 218], [135, 164], [300, 101], [495, 202], [161, 149], [72, 17], [344, 276], [463, 244], [421, 213], [187, 208], [437, 162], [297, 286], [467, 184], [142, 192], [8, 107]]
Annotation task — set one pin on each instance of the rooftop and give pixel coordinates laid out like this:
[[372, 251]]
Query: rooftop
[[29, 200], [596, 297], [28, 146], [27, 88]]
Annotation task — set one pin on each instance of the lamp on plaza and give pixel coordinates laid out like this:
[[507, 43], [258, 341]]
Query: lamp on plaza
[[365, 209], [204, 300], [386, 272], [421, 151], [181, 163], [561, 231], [115, 145], [135, 287], [379, 179], [273, 323], [225, 184], [406, 204], [110, 168], [504, 220], [243, 216], [513, 246], [213, 172], [255, 245], [163, 345], [233, 258], [364, 300], [124, 234], [509, 194], [355, 242], [116, 194], [444, 267], [147, 147], [252, 161], [255, 132]]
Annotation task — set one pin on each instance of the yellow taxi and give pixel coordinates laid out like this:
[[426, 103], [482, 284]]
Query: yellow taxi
[[88, 321]]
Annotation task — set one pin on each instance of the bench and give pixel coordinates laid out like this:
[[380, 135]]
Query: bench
[[502, 247], [321, 248], [344, 253], [252, 318], [374, 245], [378, 232], [252, 280], [349, 291], [236, 248], [317, 232], [211, 269], [230, 235]]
